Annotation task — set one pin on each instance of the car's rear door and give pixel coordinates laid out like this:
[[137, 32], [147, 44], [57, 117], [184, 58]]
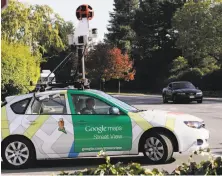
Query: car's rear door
[[48, 122], [94, 132]]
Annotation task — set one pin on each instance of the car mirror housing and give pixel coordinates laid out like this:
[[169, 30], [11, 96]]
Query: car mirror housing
[[114, 111]]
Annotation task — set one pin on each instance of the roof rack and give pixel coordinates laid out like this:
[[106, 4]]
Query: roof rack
[[79, 84]]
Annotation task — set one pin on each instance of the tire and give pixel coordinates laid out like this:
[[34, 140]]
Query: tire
[[164, 99], [174, 99], [150, 150], [22, 151], [199, 101]]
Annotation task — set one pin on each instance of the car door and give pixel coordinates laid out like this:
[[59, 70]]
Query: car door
[[49, 124], [99, 130]]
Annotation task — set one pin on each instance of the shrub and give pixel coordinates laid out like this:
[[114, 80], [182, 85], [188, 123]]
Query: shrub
[[213, 166], [19, 67]]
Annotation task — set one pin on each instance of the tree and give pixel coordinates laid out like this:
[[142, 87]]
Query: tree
[[120, 33], [106, 63], [37, 26], [36, 33], [198, 27], [97, 62], [155, 46], [120, 67], [19, 67]]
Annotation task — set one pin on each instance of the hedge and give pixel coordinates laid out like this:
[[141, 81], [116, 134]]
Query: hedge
[[213, 166], [19, 67]]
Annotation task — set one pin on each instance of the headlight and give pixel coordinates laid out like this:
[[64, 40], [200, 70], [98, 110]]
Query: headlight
[[179, 93], [199, 93], [195, 124]]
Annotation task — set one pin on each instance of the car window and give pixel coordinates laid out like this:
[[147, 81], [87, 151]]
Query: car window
[[53, 105], [21, 106], [116, 101], [89, 105], [183, 85]]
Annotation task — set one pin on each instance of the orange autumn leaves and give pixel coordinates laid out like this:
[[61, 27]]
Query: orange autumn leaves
[[105, 62], [119, 66]]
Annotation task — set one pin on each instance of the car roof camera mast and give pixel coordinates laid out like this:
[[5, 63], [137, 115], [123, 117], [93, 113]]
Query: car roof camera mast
[[48, 85], [79, 42]]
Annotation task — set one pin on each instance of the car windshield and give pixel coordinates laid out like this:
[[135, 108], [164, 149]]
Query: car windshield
[[183, 85], [117, 101]]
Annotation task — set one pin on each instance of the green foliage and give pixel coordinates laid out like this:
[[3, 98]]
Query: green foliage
[[152, 25], [29, 32], [37, 26], [19, 67], [179, 65], [213, 166], [121, 34], [97, 61], [199, 33]]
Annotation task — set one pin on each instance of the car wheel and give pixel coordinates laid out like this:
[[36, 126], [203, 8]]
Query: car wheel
[[18, 153], [157, 148], [199, 101], [174, 99], [165, 99]]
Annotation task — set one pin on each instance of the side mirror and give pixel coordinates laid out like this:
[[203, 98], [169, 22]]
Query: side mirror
[[197, 88], [114, 111]]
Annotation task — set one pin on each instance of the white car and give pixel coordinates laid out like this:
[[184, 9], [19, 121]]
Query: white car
[[78, 123]]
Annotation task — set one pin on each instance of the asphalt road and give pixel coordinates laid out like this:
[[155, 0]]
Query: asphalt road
[[210, 111]]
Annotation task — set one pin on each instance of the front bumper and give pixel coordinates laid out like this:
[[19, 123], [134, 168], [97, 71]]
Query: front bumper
[[191, 97], [198, 139]]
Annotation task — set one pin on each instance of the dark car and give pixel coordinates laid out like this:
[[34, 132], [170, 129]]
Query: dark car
[[182, 91]]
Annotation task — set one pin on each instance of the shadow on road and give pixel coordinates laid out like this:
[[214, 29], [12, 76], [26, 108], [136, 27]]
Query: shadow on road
[[76, 164]]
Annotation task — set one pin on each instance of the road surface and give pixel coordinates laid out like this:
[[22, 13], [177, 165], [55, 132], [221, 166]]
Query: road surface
[[210, 111]]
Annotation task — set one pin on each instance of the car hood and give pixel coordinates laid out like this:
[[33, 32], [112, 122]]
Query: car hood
[[155, 114], [187, 90]]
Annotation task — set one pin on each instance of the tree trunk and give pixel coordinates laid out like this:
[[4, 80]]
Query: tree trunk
[[104, 86], [100, 83], [119, 86]]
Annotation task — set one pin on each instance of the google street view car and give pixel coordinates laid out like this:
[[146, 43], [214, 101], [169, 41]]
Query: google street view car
[[73, 123]]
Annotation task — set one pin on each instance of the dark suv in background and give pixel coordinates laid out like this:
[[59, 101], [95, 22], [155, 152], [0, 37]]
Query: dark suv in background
[[182, 91]]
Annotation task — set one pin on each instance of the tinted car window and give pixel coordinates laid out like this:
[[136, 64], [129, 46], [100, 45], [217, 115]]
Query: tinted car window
[[21, 106], [183, 85]]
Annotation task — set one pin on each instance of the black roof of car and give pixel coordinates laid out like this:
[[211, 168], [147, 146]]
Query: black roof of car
[[181, 82]]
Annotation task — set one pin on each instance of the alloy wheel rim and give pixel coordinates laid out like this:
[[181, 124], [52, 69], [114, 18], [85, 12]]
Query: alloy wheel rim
[[154, 149], [17, 153]]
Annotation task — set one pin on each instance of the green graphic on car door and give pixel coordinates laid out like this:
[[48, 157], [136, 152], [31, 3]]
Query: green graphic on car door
[[93, 133]]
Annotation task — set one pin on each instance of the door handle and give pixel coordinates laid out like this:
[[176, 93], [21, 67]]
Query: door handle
[[31, 122]]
